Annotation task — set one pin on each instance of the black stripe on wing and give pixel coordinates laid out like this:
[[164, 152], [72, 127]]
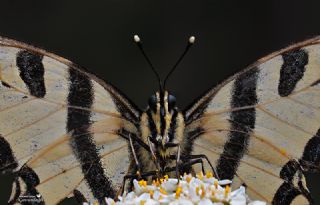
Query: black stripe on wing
[[311, 154], [285, 194], [7, 159], [310, 161], [293, 185], [81, 94], [32, 72], [243, 94], [292, 70], [25, 192]]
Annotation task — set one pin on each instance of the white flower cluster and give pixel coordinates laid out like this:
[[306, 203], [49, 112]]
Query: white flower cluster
[[199, 190]]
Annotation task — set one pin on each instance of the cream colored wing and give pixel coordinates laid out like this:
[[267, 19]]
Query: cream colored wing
[[261, 126], [60, 129]]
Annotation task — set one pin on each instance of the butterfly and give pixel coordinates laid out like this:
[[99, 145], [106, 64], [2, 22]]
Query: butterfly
[[65, 133]]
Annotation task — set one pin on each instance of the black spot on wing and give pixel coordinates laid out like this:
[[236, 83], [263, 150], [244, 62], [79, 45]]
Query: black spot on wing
[[7, 159], [243, 121], [32, 72], [289, 170], [29, 176], [310, 161], [31, 179], [311, 154], [292, 70], [288, 191], [285, 194], [81, 94]]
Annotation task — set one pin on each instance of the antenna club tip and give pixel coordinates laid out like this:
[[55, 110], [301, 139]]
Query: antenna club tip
[[192, 39], [136, 38]]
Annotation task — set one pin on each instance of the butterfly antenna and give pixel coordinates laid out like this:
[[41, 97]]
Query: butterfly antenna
[[137, 40], [190, 43]]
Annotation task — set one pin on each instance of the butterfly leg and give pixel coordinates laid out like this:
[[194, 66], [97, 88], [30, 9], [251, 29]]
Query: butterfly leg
[[186, 162], [203, 156], [125, 134], [155, 159], [136, 176], [192, 162], [178, 163], [176, 157], [135, 157], [155, 173], [138, 173]]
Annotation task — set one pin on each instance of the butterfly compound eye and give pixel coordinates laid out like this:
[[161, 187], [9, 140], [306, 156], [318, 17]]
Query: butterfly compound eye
[[153, 102], [171, 101]]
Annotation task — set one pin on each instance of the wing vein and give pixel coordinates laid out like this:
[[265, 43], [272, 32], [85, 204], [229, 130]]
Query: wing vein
[[264, 141], [68, 106], [242, 160], [69, 169], [287, 123], [35, 122], [208, 114]]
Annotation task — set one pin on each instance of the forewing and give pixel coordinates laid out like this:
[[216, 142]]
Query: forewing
[[60, 127], [256, 125]]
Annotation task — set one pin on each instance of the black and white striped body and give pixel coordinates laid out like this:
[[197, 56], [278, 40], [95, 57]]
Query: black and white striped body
[[164, 123], [62, 127]]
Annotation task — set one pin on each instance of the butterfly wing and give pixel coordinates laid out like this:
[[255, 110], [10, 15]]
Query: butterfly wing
[[60, 129], [262, 125]]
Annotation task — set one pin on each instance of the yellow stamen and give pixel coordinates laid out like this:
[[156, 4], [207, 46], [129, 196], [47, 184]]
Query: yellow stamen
[[203, 193], [216, 184], [166, 177], [209, 174], [197, 190], [161, 180], [142, 183], [151, 194], [142, 202], [227, 191], [200, 176], [188, 179], [178, 192], [162, 191]]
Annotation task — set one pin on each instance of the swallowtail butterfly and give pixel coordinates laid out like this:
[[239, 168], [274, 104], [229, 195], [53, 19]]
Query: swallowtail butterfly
[[64, 132]]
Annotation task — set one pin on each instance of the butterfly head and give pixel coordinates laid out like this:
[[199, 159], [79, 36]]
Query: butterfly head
[[162, 113]]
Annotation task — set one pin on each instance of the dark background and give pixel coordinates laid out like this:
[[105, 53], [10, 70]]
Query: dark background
[[98, 36]]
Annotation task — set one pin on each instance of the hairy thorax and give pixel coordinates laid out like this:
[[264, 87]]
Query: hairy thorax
[[165, 156]]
